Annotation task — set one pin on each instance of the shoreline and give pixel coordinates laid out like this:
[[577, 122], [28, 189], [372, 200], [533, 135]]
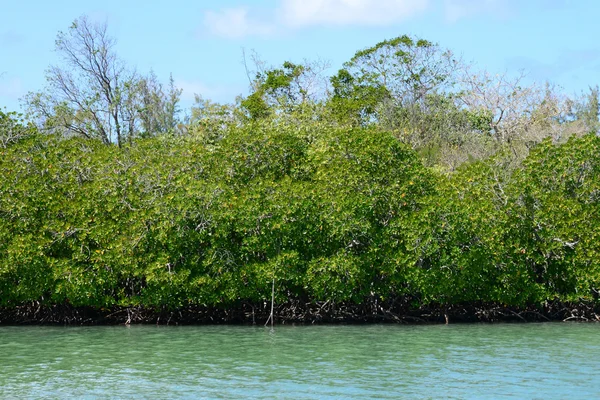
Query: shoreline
[[297, 312]]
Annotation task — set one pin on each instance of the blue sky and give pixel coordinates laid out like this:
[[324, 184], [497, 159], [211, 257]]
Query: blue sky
[[201, 42]]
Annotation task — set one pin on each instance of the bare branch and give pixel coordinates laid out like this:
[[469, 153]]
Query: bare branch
[[93, 95]]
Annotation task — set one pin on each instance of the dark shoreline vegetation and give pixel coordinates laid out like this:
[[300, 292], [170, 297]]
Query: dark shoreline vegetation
[[295, 312], [402, 193]]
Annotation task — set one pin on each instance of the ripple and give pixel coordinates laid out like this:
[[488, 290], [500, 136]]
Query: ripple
[[329, 362]]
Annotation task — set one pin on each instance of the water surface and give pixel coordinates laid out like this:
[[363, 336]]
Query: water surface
[[517, 361]]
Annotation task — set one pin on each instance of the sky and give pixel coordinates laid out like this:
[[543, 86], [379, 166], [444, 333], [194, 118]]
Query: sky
[[201, 43]]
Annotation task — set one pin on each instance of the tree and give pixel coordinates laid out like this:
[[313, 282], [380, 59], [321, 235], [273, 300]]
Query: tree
[[159, 108], [212, 120], [514, 109], [588, 110], [12, 129], [284, 89], [94, 95], [353, 101], [394, 73]]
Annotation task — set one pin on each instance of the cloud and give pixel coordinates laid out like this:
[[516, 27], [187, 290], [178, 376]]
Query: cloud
[[455, 10], [235, 23], [299, 13]]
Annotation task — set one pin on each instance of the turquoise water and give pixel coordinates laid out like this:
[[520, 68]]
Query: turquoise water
[[530, 361]]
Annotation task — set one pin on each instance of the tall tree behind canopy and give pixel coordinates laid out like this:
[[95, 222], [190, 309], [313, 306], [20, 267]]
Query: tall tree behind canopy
[[284, 89], [93, 94], [588, 110], [399, 73]]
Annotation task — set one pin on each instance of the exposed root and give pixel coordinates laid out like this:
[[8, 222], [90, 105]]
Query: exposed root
[[298, 311]]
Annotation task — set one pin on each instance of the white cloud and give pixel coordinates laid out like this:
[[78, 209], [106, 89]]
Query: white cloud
[[298, 13], [455, 10], [235, 23]]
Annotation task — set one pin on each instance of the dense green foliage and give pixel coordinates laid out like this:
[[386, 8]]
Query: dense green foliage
[[411, 178], [329, 213], [516, 239]]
